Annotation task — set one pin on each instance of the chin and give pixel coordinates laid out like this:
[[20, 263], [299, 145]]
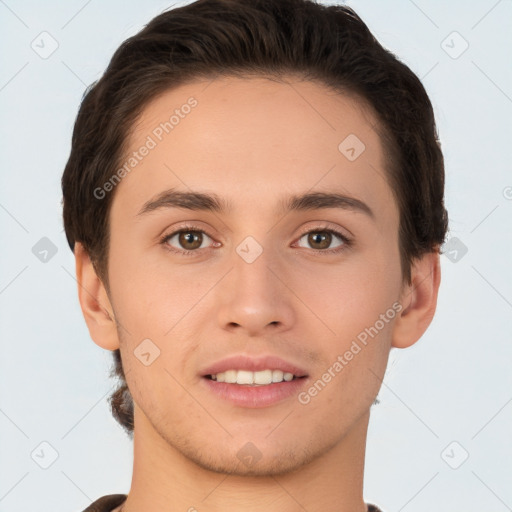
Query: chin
[[249, 461]]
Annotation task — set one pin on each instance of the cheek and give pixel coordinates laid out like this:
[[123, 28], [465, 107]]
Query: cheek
[[345, 384], [355, 308], [151, 293], [350, 294]]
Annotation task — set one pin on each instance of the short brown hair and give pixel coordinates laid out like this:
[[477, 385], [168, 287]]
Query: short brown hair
[[273, 38]]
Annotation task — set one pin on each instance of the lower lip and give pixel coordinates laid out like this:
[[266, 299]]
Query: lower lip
[[255, 396]]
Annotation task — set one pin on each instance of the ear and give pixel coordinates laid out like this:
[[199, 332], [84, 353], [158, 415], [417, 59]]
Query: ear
[[94, 301], [419, 300]]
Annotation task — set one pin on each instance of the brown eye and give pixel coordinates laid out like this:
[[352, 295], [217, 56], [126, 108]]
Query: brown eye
[[187, 241], [190, 240], [321, 240]]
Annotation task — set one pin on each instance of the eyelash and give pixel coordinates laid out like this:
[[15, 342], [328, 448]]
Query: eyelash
[[187, 229]]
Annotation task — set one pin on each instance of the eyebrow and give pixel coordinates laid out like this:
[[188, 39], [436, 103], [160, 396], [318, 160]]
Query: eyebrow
[[199, 201]]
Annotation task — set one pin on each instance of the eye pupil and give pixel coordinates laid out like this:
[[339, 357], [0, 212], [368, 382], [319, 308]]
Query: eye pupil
[[189, 237], [313, 239]]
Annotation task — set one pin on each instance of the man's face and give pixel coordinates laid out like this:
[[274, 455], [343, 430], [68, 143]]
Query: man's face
[[257, 279]]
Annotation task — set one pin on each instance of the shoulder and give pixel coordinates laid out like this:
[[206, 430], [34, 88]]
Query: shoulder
[[106, 503]]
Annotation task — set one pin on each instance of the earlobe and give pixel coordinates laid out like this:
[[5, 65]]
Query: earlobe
[[419, 300], [94, 302]]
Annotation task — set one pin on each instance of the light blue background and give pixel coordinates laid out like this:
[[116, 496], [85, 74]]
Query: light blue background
[[455, 384]]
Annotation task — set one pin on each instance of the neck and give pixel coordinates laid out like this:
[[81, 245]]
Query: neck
[[164, 479]]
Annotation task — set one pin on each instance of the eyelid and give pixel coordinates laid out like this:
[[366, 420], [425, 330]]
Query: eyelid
[[347, 240], [183, 229], [319, 226]]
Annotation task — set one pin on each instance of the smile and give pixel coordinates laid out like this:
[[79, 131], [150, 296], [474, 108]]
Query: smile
[[259, 378]]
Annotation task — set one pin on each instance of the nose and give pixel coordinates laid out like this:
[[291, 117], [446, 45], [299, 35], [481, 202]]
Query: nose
[[255, 297]]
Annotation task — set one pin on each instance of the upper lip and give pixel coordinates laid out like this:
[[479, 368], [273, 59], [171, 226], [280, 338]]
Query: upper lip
[[253, 364]]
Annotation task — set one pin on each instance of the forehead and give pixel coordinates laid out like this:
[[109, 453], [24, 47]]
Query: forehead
[[251, 140]]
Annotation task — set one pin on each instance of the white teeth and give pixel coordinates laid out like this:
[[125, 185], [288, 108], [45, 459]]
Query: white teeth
[[245, 377], [277, 375], [230, 376], [261, 378]]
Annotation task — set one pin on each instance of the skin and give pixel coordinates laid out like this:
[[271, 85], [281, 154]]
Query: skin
[[253, 141]]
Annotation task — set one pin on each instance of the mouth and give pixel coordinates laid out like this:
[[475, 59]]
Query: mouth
[[253, 382], [258, 378]]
